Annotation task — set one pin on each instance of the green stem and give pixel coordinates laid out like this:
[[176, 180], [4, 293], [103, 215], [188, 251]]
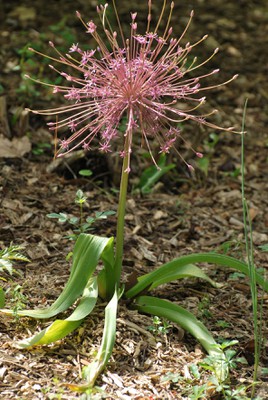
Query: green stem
[[121, 215], [81, 217], [251, 266]]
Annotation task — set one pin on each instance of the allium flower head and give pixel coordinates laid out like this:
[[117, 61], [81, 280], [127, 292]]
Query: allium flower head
[[145, 80]]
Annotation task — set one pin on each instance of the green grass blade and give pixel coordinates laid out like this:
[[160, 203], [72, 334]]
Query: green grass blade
[[60, 328], [173, 267], [173, 312], [92, 371], [86, 255]]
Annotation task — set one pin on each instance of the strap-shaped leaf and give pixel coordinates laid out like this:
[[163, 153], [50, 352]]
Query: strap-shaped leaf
[[173, 312], [182, 266], [86, 255], [106, 278], [60, 328], [186, 271], [93, 370], [2, 297]]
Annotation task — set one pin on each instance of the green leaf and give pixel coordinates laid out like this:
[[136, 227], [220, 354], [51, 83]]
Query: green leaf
[[80, 198], [12, 253], [106, 278], [167, 273], [8, 255], [104, 214], [85, 172], [60, 328], [90, 220], [194, 371], [93, 370], [264, 247], [86, 255], [173, 312], [7, 265], [2, 297], [203, 164], [73, 220], [173, 267], [152, 174], [61, 217]]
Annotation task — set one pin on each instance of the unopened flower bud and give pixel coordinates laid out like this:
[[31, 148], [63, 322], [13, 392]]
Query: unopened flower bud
[[190, 167], [199, 155]]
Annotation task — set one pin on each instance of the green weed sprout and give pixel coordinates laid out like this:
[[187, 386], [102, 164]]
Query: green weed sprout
[[80, 224], [10, 254]]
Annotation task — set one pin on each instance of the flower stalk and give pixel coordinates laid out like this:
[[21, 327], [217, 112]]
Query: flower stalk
[[119, 247]]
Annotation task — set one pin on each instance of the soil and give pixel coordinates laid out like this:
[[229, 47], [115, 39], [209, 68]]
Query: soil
[[184, 213]]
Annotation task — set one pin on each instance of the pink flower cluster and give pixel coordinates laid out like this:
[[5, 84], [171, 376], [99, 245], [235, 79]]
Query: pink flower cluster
[[144, 80]]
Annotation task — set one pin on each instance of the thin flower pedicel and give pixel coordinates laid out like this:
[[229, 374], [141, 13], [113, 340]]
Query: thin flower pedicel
[[146, 78]]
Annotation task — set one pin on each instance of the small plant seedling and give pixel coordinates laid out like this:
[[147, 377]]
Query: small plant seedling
[[171, 376], [194, 392], [223, 324], [229, 361], [209, 145], [10, 254], [235, 173], [214, 385], [40, 148], [7, 258], [231, 246], [159, 327], [17, 298], [203, 308], [198, 392], [208, 362], [80, 224]]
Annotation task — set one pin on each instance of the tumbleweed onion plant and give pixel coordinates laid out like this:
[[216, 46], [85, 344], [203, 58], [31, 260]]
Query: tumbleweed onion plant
[[149, 81]]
